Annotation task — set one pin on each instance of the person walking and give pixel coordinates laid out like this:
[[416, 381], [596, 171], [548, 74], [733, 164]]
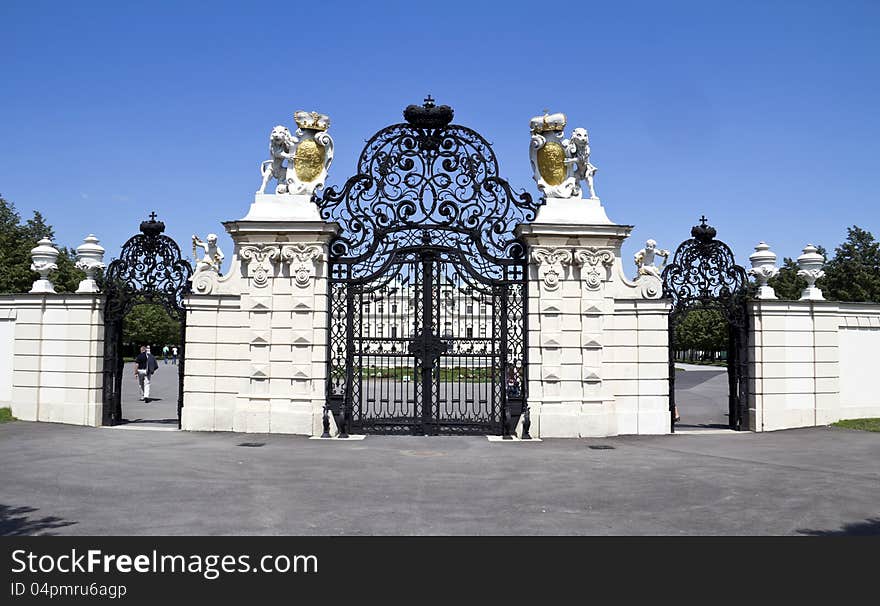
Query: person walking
[[165, 352], [141, 367], [145, 366], [174, 354]]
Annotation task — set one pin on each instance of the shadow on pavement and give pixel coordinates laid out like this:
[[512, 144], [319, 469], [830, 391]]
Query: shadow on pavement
[[14, 522], [867, 528], [153, 421]]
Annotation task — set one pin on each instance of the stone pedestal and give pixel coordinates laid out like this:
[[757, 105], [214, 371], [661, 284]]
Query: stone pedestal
[[597, 341], [282, 207], [256, 337], [573, 211]]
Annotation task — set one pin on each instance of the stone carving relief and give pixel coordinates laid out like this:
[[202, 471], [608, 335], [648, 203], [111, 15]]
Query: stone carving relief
[[259, 259], [299, 162], [559, 165], [810, 265], [301, 258], [763, 269], [595, 265], [551, 262]]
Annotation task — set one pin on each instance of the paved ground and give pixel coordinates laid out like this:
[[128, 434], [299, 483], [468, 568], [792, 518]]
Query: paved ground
[[701, 396], [60, 479], [161, 410]]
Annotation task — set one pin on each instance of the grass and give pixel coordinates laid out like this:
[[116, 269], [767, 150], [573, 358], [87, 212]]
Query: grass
[[6, 415], [861, 424]]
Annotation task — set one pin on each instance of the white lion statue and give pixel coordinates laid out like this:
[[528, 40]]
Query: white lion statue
[[281, 144], [580, 149]]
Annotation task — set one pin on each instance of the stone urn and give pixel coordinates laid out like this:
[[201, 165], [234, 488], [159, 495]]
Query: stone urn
[[810, 264], [763, 268], [89, 258], [44, 256]]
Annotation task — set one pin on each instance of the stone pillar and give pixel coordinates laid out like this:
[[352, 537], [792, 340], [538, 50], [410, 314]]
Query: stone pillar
[[256, 336], [597, 341]]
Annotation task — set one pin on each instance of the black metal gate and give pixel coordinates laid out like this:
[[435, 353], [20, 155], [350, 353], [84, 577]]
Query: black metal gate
[[427, 294], [704, 275], [150, 269]]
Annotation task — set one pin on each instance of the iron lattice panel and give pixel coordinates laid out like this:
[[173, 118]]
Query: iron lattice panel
[[427, 287]]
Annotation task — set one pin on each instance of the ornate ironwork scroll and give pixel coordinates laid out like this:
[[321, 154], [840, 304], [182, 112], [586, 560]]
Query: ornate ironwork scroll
[[704, 275], [150, 269], [427, 284]]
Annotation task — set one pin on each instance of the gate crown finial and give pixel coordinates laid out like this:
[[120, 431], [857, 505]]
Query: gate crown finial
[[152, 227], [703, 232], [429, 115]]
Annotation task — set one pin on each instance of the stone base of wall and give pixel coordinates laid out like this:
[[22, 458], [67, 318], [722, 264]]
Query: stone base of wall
[[811, 363], [55, 345]]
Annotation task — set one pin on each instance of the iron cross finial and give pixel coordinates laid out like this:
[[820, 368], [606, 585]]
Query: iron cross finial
[[429, 101], [703, 220], [153, 216]]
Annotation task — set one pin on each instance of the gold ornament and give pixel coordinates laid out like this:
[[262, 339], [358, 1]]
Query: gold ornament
[[308, 162], [551, 163]]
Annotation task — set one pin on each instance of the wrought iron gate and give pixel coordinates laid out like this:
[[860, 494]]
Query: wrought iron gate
[[427, 294], [150, 269], [704, 275]]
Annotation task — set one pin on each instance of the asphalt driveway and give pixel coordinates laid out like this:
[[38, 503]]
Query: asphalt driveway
[[59, 479]]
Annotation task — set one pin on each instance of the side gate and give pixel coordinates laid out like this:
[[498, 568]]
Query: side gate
[[704, 275], [150, 269]]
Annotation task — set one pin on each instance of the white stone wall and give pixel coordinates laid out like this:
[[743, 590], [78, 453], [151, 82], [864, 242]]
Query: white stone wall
[[7, 353], [56, 354], [256, 337], [637, 365], [811, 363], [598, 363]]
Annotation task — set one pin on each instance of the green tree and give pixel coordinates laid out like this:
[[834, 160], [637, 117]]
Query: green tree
[[16, 241], [703, 330], [854, 272], [786, 283], [149, 324]]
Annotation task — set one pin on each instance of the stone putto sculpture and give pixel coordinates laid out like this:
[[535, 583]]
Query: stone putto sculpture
[[645, 259], [213, 255], [559, 165], [299, 162]]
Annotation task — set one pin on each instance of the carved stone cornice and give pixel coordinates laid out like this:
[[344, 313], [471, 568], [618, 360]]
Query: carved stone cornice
[[551, 262], [301, 258], [590, 260], [260, 258]]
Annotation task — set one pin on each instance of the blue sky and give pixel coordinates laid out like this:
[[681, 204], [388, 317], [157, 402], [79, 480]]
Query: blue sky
[[765, 116]]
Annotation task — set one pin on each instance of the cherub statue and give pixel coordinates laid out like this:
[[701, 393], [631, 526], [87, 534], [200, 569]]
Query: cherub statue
[[213, 255], [281, 144], [645, 259], [579, 147]]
